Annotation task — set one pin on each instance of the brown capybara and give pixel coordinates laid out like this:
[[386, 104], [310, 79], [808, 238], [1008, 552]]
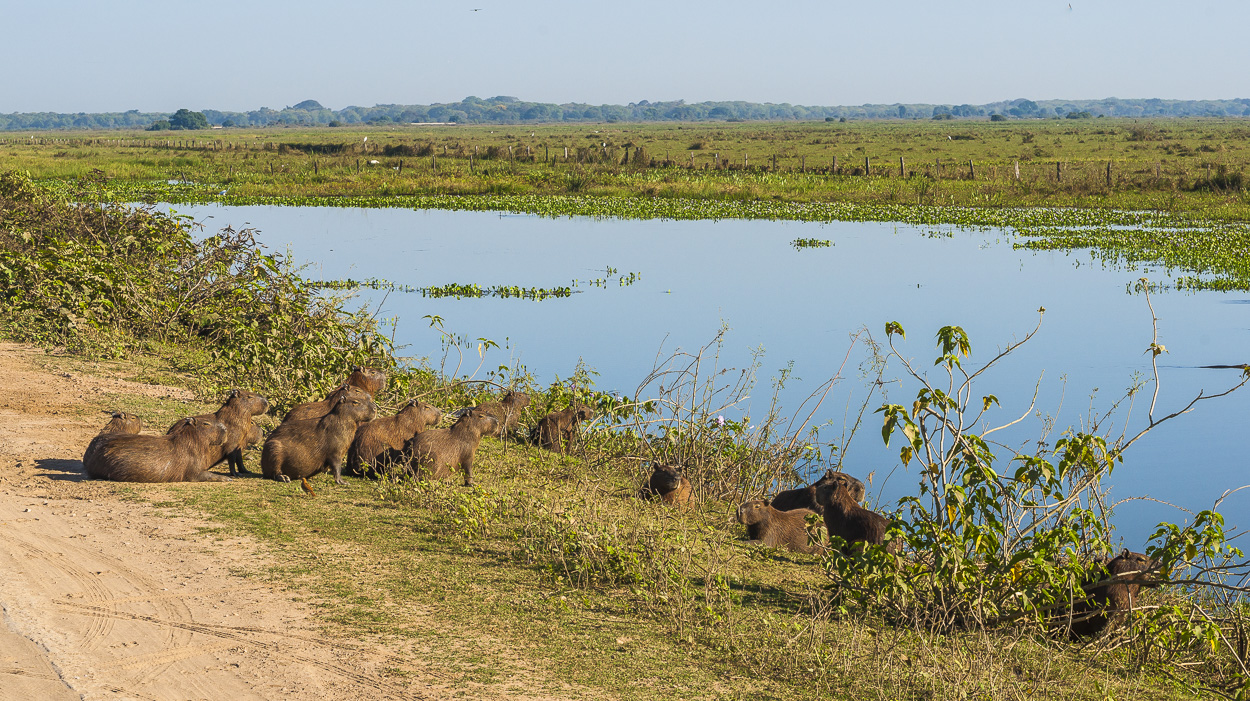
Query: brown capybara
[[777, 529], [668, 483], [301, 449], [368, 379], [845, 518], [805, 497], [1109, 604], [236, 415], [183, 455], [437, 451], [556, 430], [121, 422], [375, 440], [507, 412]]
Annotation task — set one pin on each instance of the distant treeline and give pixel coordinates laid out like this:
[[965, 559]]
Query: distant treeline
[[510, 110]]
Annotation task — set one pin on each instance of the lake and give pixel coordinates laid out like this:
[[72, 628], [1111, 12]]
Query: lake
[[800, 306]]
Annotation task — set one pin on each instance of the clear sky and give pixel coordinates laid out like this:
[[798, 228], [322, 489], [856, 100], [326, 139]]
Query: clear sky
[[98, 56]]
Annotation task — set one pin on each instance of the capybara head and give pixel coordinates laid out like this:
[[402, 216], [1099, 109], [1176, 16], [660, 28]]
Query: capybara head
[[424, 414], [355, 404], [213, 431], [483, 422], [837, 486], [753, 511], [1135, 567], [583, 413], [249, 402], [665, 478], [121, 422], [370, 380], [853, 485], [517, 400]]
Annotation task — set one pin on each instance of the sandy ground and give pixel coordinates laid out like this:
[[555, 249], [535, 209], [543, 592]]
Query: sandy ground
[[104, 598]]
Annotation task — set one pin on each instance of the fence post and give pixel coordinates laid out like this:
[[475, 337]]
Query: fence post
[[902, 172], [1108, 173], [1017, 170], [1058, 172], [866, 167], [972, 170]]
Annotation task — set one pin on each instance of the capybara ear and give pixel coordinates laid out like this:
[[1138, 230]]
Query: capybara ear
[[1125, 553], [357, 368], [234, 392], [118, 414]]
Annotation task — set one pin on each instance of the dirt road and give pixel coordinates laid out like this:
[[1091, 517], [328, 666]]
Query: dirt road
[[104, 598]]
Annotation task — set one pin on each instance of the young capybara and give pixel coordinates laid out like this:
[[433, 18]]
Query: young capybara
[[556, 430], [1109, 604], [777, 529], [507, 412], [236, 415], [805, 497], [368, 379], [121, 422], [437, 451], [183, 455], [301, 449], [375, 440], [845, 518], [668, 483]]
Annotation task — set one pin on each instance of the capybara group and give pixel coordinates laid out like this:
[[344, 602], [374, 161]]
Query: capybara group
[[368, 379], [303, 448], [668, 484], [435, 453], [556, 430], [376, 439], [1109, 603], [778, 529], [805, 497], [507, 411], [845, 518], [236, 415], [182, 455]]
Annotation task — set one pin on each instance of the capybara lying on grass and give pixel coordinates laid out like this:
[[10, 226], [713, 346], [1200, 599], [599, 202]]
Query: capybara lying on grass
[[376, 439], [437, 451], [303, 448], [845, 518], [556, 430], [370, 380], [668, 484], [236, 415], [182, 455], [778, 529]]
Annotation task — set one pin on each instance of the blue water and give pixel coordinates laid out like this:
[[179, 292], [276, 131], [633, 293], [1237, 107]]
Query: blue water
[[801, 307]]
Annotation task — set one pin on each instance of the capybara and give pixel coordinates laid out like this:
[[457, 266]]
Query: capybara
[[236, 415], [437, 451], [183, 455], [556, 430], [299, 449], [375, 440], [805, 497], [507, 412], [121, 422], [847, 519], [668, 483], [778, 529], [368, 379], [1110, 603]]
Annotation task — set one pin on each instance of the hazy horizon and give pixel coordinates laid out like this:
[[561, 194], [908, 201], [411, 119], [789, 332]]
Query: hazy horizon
[[236, 56]]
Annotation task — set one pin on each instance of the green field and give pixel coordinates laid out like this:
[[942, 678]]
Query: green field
[[1190, 165]]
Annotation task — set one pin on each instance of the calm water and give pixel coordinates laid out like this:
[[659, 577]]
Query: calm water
[[801, 306]]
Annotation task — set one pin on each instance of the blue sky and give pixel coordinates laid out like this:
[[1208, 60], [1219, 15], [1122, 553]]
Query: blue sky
[[76, 56]]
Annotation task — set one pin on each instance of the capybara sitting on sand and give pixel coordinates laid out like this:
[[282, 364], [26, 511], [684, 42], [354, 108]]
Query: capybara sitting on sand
[[182, 455]]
